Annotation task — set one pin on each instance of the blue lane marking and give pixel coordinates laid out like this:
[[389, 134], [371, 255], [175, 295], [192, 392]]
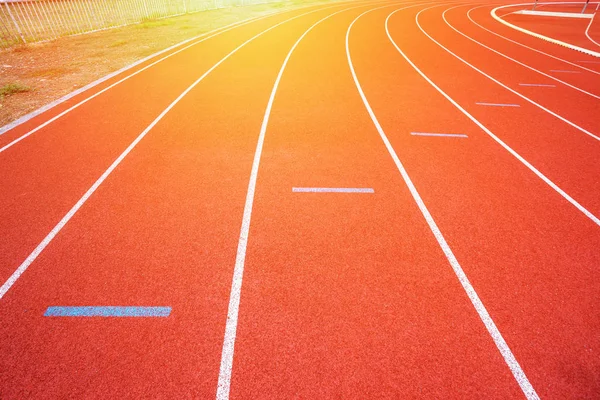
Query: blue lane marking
[[107, 311]]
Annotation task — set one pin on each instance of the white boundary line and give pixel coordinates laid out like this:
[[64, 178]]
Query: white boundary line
[[512, 59], [46, 241], [537, 35], [540, 175], [212, 33], [587, 31], [555, 14], [501, 344], [224, 383], [525, 46], [590, 134]]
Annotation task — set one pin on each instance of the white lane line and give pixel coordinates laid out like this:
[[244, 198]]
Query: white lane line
[[460, 135], [48, 122], [512, 59], [536, 84], [525, 46], [498, 105], [543, 177], [494, 15], [555, 14], [46, 241], [331, 190], [587, 30], [565, 71], [579, 128], [485, 317], [224, 383]]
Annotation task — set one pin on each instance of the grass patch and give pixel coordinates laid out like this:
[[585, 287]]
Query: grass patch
[[49, 72], [154, 23], [118, 43], [13, 88]]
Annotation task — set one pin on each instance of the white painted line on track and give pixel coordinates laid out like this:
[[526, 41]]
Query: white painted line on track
[[485, 317], [512, 59], [565, 71], [27, 117], [224, 383], [555, 14], [525, 46], [498, 105], [459, 135], [494, 15], [579, 128], [543, 177], [536, 84], [46, 241], [587, 30], [331, 190]]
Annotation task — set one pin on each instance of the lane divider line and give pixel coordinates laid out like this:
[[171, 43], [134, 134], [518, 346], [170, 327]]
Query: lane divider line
[[512, 59], [213, 33], [65, 219], [537, 35], [331, 190], [68, 110], [536, 84], [587, 30], [224, 383], [527, 47], [555, 14], [485, 317], [540, 175], [579, 128], [107, 311], [459, 135]]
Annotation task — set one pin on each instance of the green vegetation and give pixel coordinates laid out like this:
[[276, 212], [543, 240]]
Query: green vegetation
[[12, 88]]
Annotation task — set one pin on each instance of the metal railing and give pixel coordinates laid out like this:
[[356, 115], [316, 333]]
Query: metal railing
[[27, 21]]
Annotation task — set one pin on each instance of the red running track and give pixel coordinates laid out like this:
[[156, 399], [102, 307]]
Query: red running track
[[468, 269]]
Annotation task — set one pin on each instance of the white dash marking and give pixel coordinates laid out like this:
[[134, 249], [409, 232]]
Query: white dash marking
[[460, 135], [565, 71], [331, 190], [536, 84], [498, 105]]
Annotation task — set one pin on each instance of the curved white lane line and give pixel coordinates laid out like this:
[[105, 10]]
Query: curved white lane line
[[590, 134], [67, 97], [587, 33], [224, 383], [64, 220], [537, 35], [485, 317], [540, 175], [512, 59], [525, 46]]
